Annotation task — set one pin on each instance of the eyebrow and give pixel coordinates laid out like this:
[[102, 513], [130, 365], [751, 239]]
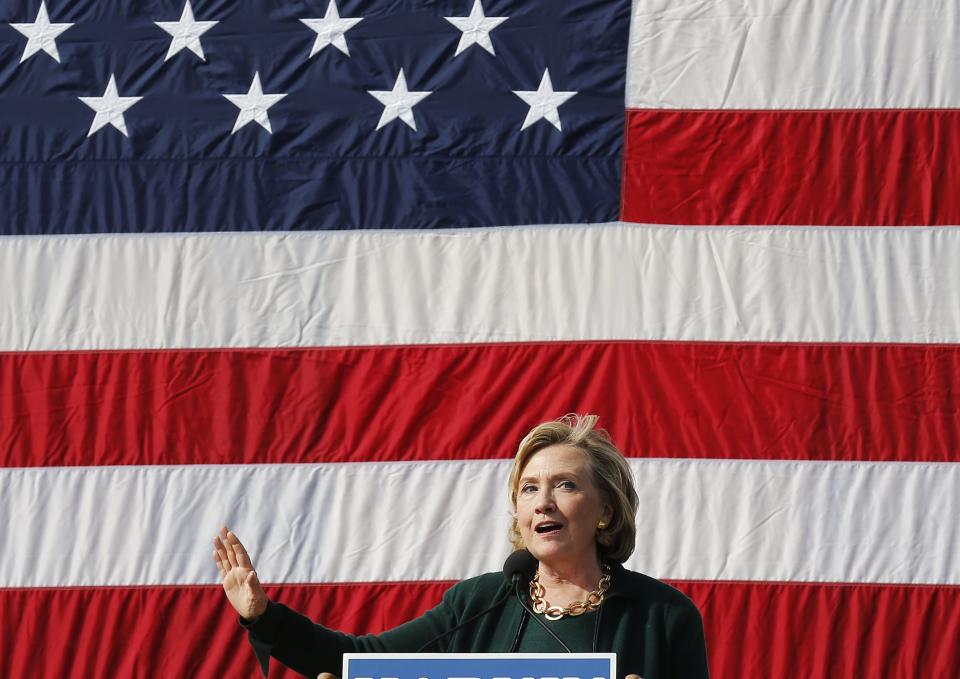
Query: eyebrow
[[573, 475]]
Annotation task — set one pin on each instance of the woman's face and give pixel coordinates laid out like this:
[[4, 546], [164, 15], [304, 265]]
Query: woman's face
[[559, 506]]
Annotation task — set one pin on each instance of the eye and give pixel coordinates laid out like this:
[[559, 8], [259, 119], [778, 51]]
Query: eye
[[567, 485], [528, 488]]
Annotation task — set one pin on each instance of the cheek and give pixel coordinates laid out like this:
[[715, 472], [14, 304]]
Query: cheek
[[521, 513], [583, 514]]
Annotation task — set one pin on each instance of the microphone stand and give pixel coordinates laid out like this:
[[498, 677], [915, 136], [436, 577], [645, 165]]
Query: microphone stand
[[516, 589]]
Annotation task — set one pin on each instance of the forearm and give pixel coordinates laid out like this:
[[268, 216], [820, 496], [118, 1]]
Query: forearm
[[310, 649]]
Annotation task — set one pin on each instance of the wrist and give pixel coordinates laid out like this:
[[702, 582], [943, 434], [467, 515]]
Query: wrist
[[259, 608]]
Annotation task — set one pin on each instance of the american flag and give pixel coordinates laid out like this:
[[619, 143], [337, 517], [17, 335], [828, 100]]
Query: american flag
[[312, 268]]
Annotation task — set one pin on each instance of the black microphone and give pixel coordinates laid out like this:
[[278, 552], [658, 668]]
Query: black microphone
[[518, 563]]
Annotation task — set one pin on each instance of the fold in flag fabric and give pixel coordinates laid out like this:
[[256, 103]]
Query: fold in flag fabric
[[313, 270]]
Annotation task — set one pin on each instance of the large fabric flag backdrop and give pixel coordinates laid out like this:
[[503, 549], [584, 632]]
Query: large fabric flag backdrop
[[312, 269]]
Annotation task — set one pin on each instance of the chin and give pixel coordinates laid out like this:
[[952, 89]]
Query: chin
[[548, 552]]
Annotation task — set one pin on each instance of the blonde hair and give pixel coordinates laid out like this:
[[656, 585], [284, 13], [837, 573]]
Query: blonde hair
[[610, 472]]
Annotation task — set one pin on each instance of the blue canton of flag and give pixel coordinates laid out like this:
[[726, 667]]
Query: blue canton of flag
[[337, 114]]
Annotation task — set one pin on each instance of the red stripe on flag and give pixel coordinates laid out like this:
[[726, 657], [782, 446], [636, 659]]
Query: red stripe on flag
[[174, 631], [841, 167], [823, 630], [761, 401], [752, 629]]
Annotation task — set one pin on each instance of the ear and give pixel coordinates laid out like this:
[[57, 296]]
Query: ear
[[606, 513]]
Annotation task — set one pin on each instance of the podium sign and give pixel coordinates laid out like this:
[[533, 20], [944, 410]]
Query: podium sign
[[480, 666]]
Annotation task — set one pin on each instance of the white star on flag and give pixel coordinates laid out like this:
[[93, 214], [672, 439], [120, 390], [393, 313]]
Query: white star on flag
[[398, 102], [476, 28], [41, 35], [544, 102], [186, 32], [331, 29], [109, 108], [254, 105]]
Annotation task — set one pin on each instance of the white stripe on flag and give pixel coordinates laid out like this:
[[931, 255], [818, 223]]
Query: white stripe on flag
[[794, 54], [698, 519], [603, 282]]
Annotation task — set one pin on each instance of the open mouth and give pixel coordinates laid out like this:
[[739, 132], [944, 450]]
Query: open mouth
[[548, 527]]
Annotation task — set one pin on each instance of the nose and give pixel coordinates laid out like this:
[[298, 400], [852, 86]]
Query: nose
[[545, 500]]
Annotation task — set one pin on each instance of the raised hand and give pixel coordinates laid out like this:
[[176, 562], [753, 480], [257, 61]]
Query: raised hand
[[239, 580]]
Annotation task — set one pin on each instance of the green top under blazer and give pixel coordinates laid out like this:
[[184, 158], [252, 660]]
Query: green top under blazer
[[655, 630]]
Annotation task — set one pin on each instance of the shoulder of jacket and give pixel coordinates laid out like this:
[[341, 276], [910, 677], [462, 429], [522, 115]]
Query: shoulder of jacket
[[488, 582], [640, 586], [482, 585]]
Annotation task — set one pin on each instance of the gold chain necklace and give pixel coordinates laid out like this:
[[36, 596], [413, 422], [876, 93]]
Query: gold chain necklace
[[591, 603]]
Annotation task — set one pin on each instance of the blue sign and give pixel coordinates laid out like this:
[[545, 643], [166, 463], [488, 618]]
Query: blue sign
[[480, 666]]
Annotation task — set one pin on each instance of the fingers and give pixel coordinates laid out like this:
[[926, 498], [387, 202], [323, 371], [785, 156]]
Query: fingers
[[223, 571], [241, 553], [221, 550], [230, 552], [227, 559], [224, 539]]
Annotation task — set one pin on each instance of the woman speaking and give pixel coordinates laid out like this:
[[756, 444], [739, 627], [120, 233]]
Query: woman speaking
[[574, 510]]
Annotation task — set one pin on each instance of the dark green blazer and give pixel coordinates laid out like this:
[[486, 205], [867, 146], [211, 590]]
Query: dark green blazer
[[655, 630]]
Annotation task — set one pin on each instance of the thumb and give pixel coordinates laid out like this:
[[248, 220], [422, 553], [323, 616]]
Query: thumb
[[255, 595]]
